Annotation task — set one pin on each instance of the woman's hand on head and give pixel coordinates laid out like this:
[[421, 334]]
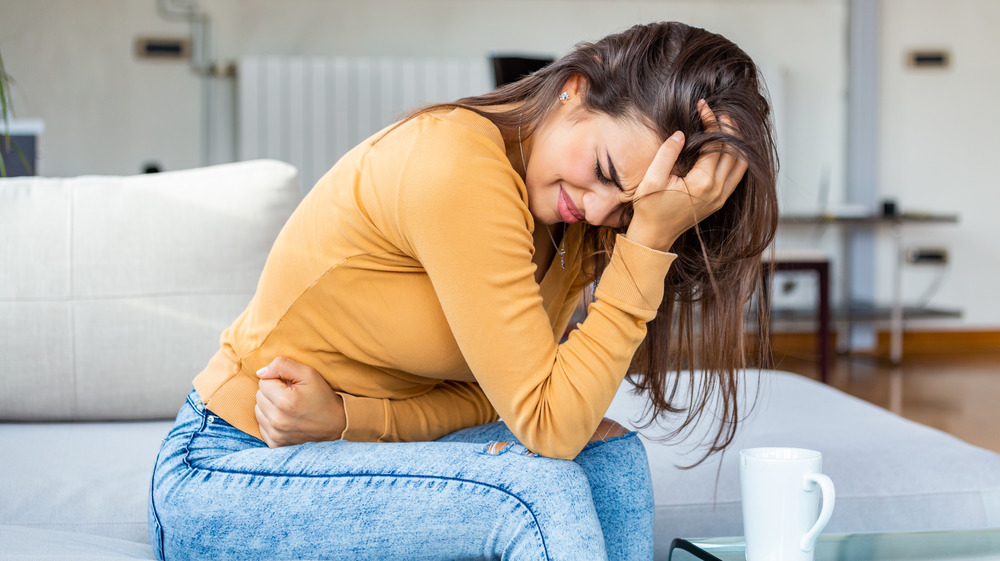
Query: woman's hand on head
[[665, 205], [296, 405]]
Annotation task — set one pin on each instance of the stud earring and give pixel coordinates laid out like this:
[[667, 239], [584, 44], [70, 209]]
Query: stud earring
[[564, 96]]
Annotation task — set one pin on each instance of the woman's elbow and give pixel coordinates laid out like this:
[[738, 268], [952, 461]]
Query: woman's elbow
[[567, 448]]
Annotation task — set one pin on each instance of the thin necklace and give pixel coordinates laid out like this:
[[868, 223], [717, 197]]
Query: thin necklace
[[560, 249]]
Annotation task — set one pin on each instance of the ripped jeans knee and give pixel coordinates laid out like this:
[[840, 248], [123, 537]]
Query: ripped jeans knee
[[502, 446]]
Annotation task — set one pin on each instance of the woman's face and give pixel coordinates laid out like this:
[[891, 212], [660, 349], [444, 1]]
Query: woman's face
[[579, 162]]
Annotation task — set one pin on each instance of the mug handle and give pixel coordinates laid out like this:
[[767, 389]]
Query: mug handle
[[829, 496]]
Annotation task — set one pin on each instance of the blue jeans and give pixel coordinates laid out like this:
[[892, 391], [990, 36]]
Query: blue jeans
[[218, 493]]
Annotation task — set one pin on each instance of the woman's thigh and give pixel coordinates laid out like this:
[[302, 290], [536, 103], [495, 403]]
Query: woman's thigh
[[219, 493], [617, 471]]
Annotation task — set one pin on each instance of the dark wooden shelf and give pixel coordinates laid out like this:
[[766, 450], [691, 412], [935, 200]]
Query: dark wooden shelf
[[871, 220], [864, 312]]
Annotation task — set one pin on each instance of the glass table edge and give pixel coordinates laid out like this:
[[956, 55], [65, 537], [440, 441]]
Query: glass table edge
[[706, 549]]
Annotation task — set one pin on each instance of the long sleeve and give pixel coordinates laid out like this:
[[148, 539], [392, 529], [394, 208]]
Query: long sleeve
[[463, 215], [447, 407], [405, 278]]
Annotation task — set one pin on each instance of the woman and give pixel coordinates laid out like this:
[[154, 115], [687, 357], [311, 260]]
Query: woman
[[418, 291]]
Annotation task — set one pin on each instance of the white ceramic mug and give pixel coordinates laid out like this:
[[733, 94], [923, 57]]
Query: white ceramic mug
[[781, 490]]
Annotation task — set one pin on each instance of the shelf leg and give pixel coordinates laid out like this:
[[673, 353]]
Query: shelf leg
[[896, 320], [896, 390], [823, 333]]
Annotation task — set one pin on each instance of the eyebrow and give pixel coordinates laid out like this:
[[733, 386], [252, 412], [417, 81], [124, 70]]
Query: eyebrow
[[613, 173]]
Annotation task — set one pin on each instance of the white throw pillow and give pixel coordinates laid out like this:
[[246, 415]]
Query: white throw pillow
[[114, 290]]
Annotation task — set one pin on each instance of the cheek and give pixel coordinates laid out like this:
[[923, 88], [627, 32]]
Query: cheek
[[563, 160], [581, 174], [578, 167]]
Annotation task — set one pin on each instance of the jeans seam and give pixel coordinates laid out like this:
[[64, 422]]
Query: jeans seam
[[152, 507], [194, 433], [204, 423], [520, 501]]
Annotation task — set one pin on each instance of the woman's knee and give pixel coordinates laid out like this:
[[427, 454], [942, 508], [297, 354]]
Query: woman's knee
[[498, 432], [620, 453], [481, 433], [499, 437]]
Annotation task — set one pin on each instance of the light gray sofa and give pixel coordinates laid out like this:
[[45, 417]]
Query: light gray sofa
[[113, 292]]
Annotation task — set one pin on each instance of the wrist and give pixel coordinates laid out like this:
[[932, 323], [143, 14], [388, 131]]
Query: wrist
[[339, 419], [659, 237]]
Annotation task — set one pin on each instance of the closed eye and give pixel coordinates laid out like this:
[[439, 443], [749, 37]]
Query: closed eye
[[611, 178], [600, 173], [604, 179]]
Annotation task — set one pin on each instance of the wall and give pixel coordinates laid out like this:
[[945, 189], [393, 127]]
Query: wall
[[107, 112], [939, 148], [71, 64]]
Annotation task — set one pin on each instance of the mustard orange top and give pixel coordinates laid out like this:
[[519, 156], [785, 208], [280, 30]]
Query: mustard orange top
[[405, 278]]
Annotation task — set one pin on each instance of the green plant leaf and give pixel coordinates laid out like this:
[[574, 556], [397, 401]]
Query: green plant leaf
[[4, 88]]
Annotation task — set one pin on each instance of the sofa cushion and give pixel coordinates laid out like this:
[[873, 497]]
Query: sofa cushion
[[890, 474], [84, 478], [30, 544], [114, 290]]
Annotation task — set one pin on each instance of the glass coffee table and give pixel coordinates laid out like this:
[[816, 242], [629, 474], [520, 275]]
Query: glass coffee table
[[978, 545]]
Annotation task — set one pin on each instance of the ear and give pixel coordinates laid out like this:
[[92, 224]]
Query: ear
[[574, 86]]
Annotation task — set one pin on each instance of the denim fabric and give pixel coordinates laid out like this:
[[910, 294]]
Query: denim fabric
[[218, 493]]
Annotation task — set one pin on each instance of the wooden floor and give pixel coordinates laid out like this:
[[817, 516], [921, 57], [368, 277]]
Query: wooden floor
[[956, 393]]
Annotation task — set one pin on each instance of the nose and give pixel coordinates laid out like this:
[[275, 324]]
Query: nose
[[600, 206]]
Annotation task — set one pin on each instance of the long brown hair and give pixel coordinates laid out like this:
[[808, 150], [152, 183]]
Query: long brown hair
[[655, 74]]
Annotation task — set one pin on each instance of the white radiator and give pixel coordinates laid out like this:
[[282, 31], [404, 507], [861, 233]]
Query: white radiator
[[310, 111]]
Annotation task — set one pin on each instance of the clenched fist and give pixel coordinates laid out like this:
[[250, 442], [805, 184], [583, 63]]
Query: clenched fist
[[296, 405]]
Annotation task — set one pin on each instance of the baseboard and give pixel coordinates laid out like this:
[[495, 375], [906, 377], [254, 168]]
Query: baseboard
[[914, 342], [796, 343]]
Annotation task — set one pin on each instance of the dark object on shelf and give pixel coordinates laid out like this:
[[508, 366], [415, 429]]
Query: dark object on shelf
[[508, 69], [14, 162], [888, 208]]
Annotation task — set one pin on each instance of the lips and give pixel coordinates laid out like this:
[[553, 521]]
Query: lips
[[567, 210]]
